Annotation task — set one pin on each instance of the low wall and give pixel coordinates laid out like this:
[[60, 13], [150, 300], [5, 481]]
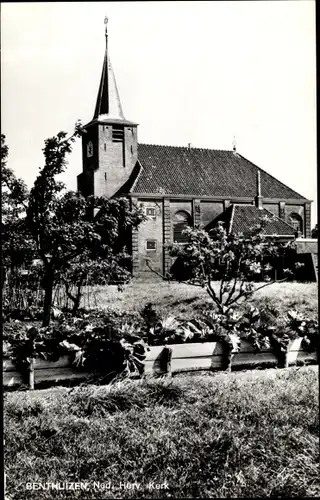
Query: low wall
[[44, 371], [210, 356], [307, 245], [184, 357]]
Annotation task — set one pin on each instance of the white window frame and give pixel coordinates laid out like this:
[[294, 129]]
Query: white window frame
[[153, 216], [151, 249]]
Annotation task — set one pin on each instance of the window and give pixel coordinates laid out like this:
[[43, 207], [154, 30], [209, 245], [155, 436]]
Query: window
[[105, 147], [295, 221], [181, 220], [150, 212], [89, 149], [117, 133], [151, 245]]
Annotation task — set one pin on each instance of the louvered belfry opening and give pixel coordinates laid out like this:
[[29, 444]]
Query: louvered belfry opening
[[117, 133], [181, 220]]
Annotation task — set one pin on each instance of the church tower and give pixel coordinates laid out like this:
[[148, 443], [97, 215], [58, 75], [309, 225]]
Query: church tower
[[109, 148]]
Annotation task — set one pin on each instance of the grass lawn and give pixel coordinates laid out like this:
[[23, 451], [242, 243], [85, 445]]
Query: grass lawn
[[180, 299], [249, 434]]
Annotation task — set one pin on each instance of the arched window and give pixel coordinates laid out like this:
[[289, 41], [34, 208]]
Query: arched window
[[181, 220], [295, 221]]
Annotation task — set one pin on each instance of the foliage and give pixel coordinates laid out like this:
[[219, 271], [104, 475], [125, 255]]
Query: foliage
[[261, 327], [107, 260], [74, 245], [166, 330], [14, 199], [314, 232], [296, 325], [98, 345], [17, 245], [234, 261]]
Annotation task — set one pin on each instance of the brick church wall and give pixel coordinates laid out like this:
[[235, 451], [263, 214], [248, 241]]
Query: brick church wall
[[115, 159], [166, 235], [307, 215], [152, 231]]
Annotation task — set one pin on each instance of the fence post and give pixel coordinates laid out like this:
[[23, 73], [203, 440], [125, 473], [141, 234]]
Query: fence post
[[228, 355], [285, 359], [31, 367], [167, 360], [163, 362], [31, 374]]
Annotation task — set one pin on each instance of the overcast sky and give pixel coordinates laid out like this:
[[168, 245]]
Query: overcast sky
[[198, 72]]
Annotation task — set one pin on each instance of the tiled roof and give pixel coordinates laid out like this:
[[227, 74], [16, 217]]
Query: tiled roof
[[203, 172], [241, 218]]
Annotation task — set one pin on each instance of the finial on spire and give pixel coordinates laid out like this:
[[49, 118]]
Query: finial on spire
[[106, 24], [234, 144]]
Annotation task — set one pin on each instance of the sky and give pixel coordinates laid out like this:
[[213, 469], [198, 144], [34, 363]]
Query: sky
[[187, 72]]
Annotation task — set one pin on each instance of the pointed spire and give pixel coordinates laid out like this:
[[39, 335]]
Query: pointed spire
[[108, 101]]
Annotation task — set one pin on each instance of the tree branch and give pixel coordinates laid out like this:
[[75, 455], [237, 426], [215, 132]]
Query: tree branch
[[234, 283], [247, 294], [69, 294], [213, 295]]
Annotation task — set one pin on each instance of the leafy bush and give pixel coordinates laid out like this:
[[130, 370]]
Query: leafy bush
[[262, 328], [98, 342], [111, 343], [235, 262]]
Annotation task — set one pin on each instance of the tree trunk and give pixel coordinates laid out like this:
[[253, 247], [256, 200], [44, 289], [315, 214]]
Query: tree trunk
[[2, 276], [76, 302], [47, 305], [75, 299]]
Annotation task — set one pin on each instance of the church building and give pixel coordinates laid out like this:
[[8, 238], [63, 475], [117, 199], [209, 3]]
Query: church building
[[179, 186]]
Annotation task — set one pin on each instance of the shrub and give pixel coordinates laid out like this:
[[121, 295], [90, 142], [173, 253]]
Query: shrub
[[97, 343]]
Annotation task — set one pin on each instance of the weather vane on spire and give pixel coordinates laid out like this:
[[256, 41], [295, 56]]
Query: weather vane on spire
[[106, 23]]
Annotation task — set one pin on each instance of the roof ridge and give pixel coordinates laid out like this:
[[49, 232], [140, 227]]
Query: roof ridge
[[184, 147], [243, 204], [137, 177], [231, 218]]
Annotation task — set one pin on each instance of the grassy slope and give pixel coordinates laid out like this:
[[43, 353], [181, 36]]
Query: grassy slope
[[180, 299], [251, 434]]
